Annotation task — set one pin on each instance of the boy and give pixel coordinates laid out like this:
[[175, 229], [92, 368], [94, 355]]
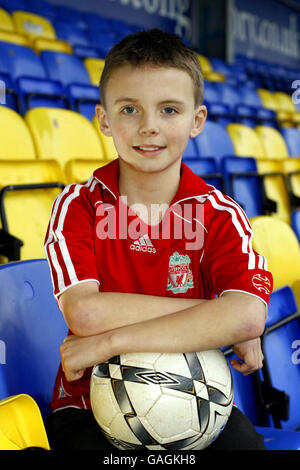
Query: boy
[[139, 254]]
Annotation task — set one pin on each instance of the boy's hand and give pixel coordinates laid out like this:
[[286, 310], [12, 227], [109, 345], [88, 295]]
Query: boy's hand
[[78, 353], [251, 356]]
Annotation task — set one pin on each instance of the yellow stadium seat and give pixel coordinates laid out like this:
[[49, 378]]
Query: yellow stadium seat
[[44, 44], [21, 424], [268, 99], [30, 172], [275, 187], [285, 102], [62, 134], [276, 240], [272, 142], [110, 150], [94, 67], [15, 138], [245, 141], [33, 25], [214, 77], [15, 38], [78, 170], [205, 64], [6, 22]]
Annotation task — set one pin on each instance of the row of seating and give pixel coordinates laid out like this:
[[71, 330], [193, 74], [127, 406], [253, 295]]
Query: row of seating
[[30, 283]]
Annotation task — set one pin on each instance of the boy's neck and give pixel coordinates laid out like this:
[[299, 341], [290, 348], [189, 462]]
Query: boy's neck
[[148, 188]]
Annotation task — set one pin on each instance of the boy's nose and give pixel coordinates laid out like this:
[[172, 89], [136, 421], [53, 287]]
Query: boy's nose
[[148, 127]]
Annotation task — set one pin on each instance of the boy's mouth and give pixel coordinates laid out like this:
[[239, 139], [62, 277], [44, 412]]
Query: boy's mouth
[[148, 149]]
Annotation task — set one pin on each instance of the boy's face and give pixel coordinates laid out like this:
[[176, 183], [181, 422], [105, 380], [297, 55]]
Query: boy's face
[[150, 112]]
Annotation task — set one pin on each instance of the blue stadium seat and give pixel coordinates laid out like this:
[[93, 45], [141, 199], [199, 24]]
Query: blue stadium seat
[[71, 15], [32, 328], [281, 348], [215, 142], [244, 185], [8, 94], [191, 150], [83, 99], [97, 22], [18, 61], [37, 92], [84, 52], [249, 96], [206, 167], [11, 5], [246, 392], [295, 222], [67, 31], [102, 40], [292, 139], [217, 110], [65, 68]]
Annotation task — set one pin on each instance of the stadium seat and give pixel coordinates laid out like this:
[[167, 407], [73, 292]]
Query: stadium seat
[[44, 44], [102, 40], [107, 143], [83, 99], [268, 99], [272, 142], [292, 140], [191, 150], [291, 170], [14, 38], [70, 14], [11, 5], [42, 8], [68, 31], [245, 141], [33, 25], [78, 170], [8, 94], [246, 393], [6, 22], [245, 185], [96, 22], [295, 222], [36, 92], [206, 168], [17, 61], [214, 141], [94, 67], [270, 236], [28, 310], [12, 125], [63, 134], [281, 349], [22, 426], [65, 68]]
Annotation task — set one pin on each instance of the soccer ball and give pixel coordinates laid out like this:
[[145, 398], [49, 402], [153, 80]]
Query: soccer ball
[[161, 401]]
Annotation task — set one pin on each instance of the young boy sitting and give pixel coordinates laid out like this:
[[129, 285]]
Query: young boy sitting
[[146, 256]]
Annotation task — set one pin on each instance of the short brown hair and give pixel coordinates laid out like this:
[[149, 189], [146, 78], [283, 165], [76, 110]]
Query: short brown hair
[[153, 47]]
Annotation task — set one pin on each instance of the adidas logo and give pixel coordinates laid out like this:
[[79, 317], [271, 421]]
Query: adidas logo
[[143, 244]]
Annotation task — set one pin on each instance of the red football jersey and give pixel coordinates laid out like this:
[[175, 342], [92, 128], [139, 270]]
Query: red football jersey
[[201, 248]]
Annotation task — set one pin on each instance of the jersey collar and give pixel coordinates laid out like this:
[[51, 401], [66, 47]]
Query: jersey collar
[[190, 185]]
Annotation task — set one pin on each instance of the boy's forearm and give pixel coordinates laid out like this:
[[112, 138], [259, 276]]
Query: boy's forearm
[[104, 311], [213, 324]]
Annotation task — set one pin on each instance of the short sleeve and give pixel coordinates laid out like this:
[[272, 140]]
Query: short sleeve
[[69, 241], [232, 263]]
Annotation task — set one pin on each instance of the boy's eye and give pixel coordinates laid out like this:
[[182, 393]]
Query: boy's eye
[[129, 110], [169, 110]]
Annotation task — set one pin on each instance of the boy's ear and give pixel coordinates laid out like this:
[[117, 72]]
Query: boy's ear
[[199, 121], [103, 121]]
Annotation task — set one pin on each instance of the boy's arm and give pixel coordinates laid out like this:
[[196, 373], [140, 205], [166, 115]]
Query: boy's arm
[[89, 312], [230, 319]]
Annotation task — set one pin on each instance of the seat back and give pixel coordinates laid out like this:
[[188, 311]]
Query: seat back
[[32, 328], [15, 138], [78, 170], [206, 168], [6, 22], [245, 141], [107, 142], [276, 240], [272, 142], [63, 134], [243, 184], [292, 140], [18, 60], [33, 25], [275, 187], [64, 67], [281, 348], [214, 141], [94, 67]]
